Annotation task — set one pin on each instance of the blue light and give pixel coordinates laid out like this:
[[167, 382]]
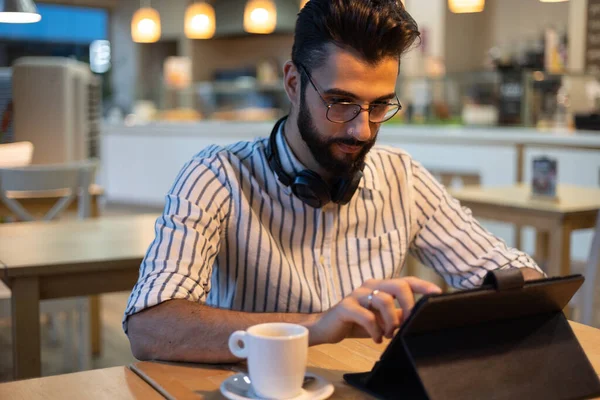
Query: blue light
[[63, 24]]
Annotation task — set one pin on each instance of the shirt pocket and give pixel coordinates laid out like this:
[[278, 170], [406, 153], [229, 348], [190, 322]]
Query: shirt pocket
[[379, 257]]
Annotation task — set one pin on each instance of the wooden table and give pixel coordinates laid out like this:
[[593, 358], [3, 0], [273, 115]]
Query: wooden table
[[39, 203], [153, 380], [48, 260], [191, 381], [576, 208], [118, 383]]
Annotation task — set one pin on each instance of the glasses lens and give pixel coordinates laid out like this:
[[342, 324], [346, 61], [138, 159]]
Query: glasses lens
[[344, 112], [341, 112], [383, 112]]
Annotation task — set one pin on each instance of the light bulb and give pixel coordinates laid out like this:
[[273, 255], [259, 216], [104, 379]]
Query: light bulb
[[200, 22], [259, 15], [146, 26], [19, 17]]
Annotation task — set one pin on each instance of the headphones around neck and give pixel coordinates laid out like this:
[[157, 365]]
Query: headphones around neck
[[307, 185]]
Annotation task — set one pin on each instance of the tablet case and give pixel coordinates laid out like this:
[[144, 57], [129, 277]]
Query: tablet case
[[506, 340]]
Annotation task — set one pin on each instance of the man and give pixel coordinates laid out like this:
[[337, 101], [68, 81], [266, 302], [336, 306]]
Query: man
[[312, 225]]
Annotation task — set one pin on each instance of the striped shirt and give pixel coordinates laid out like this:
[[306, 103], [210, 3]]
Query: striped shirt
[[232, 236]]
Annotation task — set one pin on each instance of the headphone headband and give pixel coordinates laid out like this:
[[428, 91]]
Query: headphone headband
[[273, 155]]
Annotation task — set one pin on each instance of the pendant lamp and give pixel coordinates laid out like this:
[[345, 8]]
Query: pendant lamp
[[260, 16], [466, 6], [200, 21], [145, 24], [18, 12]]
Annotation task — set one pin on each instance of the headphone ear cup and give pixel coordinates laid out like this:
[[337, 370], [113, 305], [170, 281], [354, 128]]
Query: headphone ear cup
[[309, 187], [346, 188]]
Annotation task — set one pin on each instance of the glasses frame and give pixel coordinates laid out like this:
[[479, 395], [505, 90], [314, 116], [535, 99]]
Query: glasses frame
[[368, 109]]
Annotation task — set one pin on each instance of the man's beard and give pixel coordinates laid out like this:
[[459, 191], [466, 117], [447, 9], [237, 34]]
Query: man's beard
[[322, 150]]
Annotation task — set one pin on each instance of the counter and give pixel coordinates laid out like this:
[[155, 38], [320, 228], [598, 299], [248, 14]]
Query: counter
[[139, 163]]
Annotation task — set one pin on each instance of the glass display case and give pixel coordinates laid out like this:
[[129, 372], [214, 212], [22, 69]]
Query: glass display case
[[483, 98], [561, 101]]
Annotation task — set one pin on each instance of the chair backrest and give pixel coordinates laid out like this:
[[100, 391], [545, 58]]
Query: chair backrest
[[63, 181], [16, 154], [450, 178]]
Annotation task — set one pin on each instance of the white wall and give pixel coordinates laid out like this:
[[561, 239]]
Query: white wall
[[577, 34], [430, 16], [466, 40], [517, 20]]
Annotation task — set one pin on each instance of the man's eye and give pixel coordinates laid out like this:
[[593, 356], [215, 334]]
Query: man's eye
[[339, 100]]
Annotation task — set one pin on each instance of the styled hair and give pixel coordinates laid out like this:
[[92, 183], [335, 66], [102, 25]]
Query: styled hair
[[374, 29]]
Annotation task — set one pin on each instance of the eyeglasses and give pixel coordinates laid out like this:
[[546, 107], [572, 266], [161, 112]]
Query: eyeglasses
[[341, 112]]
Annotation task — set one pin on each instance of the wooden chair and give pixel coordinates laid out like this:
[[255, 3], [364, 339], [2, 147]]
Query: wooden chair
[[450, 178], [70, 180]]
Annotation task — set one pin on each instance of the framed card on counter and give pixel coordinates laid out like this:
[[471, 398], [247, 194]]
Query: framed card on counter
[[544, 178]]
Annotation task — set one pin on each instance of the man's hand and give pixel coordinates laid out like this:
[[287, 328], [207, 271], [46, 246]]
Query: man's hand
[[352, 316]]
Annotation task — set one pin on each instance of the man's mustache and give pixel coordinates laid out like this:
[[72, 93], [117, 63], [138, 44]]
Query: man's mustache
[[351, 142]]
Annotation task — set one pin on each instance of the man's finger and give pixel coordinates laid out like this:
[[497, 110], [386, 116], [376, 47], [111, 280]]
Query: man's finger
[[421, 286], [402, 291], [359, 315], [383, 304]]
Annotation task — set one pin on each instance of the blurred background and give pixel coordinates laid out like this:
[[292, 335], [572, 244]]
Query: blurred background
[[505, 62], [141, 86]]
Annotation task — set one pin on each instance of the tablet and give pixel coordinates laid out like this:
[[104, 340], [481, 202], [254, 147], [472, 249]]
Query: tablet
[[491, 342]]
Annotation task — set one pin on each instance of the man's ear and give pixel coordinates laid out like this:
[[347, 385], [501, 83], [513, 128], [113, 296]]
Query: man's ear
[[291, 83]]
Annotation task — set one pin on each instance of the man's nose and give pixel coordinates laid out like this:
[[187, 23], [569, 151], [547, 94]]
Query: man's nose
[[360, 127]]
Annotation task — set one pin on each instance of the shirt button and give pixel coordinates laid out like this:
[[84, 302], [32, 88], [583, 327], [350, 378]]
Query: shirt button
[[322, 260]]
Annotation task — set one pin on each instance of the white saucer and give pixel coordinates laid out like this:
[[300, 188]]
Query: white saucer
[[238, 387]]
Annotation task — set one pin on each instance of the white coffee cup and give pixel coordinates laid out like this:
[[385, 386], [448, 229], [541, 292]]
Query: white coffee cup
[[277, 355]]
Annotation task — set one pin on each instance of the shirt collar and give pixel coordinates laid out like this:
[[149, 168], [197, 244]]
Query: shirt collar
[[370, 178], [292, 166]]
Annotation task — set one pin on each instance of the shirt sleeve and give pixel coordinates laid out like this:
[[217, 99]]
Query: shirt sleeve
[[447, 238], [178, 263]]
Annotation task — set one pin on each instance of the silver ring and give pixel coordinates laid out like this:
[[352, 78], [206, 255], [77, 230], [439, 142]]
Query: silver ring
[[370, 298]]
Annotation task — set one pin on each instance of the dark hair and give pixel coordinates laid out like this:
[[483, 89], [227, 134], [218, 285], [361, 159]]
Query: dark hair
[[375, 29]]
